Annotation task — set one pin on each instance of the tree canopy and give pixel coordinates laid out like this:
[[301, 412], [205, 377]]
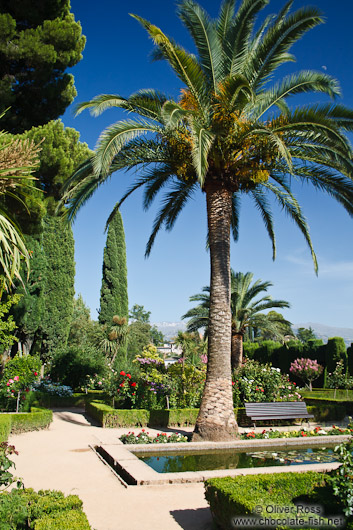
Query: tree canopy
[[38, 42]]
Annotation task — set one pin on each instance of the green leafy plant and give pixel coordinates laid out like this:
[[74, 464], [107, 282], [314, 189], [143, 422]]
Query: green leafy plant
[[339, 378], [341, 479], [19, 375], [256, 382], [6, 477]]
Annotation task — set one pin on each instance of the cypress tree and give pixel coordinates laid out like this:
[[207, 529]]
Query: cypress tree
[[58, 246], [114, 296]]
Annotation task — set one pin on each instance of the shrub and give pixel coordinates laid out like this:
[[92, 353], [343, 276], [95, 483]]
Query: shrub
[[251, 495], [307, 370], [31, 421], [5, 427], [72, 365], [6, 477], [339, 378], [43, 510], [54, 389], [18, 376], [341, 479], [73, 520], [255, 382], [187, 384]]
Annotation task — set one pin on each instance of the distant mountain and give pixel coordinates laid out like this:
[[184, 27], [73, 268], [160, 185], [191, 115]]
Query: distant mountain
[[170, 329], [325, 332]]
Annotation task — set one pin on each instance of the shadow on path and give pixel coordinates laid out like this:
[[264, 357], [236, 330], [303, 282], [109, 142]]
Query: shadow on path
[[68, 416], [199, 519]]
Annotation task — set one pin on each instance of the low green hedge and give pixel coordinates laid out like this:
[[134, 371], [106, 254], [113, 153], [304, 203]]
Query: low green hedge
[[5, 427], [107, 416], [31, 421], [16, 423], [268, 496], [42, 510], [64, 521]]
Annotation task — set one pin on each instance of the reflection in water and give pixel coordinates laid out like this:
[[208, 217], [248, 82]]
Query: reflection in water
[[174, 462]]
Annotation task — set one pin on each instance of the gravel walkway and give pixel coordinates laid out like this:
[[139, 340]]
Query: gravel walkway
[[59, 458]]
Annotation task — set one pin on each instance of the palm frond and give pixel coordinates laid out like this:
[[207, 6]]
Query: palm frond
[[206, 41], [290, 205], [185, 65], [275, 44], [114, 138]]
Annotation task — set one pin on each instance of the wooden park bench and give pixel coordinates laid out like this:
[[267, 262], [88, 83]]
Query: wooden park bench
[[279, 410]]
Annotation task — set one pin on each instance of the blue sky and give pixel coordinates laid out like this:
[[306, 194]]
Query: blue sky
[[116, 60]]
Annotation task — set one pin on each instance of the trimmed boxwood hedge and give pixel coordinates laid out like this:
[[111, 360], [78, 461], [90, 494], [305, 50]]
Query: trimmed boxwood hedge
[[107, 416], [42, 510], [260, 495], [5, 427], [31, 421], [16, 423]]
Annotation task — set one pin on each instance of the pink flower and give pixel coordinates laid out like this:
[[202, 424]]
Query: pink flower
[[7, 384], [16, 378], [10, 380]]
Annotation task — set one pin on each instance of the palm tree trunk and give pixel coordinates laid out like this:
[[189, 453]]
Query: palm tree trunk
[[237, 350], [216, 420]]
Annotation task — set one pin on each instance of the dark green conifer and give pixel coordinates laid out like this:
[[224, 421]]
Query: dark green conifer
[[114, 296], [58, 246], [39, 40]]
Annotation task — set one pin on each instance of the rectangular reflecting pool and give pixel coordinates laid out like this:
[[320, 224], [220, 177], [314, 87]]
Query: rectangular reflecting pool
[[176, 461]]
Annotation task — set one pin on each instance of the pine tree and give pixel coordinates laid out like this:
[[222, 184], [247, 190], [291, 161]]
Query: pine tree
[[38, 42], [114, 296]]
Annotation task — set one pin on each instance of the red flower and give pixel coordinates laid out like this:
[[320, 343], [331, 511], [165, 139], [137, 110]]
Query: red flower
[[128, 375], [35, 373], [233, 383], [262, 390], [122, 372], [133, 384], [121, 384]]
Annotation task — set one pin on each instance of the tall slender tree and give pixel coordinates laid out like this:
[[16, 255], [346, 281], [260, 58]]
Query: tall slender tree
[[58, 246], [231, 132], [114, 294], [247, 311]]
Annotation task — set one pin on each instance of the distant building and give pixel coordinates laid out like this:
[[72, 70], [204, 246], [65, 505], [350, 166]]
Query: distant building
[[170, 351]]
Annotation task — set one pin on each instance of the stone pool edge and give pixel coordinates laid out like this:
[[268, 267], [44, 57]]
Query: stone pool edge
[[133, 471]]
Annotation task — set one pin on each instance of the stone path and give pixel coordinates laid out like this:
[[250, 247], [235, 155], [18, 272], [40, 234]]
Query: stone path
[[59, 458]]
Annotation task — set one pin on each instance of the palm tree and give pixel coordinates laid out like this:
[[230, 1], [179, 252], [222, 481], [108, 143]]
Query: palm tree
[[231, 132], [18, 159], [246, 312]]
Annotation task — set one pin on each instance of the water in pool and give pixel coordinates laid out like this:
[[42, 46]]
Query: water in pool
[[173, 462]]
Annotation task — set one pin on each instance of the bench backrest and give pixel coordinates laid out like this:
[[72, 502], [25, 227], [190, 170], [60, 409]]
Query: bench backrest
[[281, 408]]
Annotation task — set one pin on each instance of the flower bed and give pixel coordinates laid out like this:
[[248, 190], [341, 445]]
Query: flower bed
[[302, 433], [144, 438]]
